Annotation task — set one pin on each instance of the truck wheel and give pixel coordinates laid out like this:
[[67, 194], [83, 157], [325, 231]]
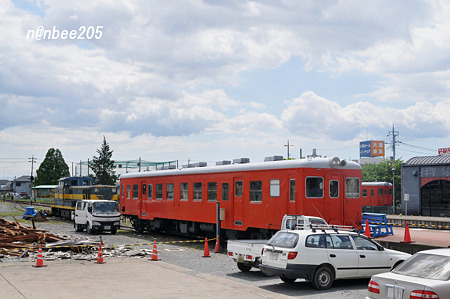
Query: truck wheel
[[113, 231], [78, 228], [287, 280], [244, 267], [88, 228], [323, 278]]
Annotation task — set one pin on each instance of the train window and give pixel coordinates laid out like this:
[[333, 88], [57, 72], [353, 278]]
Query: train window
[[122, 190], [212, 191], [144, 189], [352, 187], [334, 189], [314, 187], [169, 191], [198, 191], [128, 191], [364, 191], [390, 191], [292, 190], [238, 188], [274, 188], [159, 191], [385, 192], [150, 191], [256, 191], [380, 191], [135, 191], [184, 191], [372, 192], [225, 191]]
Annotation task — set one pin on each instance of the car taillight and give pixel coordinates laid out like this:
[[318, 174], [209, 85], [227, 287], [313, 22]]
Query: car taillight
[[249, 257], [419, 294], [374, 287], [262, 252], [292, 255], [230, 253]]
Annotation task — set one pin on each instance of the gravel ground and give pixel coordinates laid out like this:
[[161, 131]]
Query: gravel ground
[[187, 255]]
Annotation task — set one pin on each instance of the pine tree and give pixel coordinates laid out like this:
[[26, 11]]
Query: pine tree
[[103, 166], [52, 168]]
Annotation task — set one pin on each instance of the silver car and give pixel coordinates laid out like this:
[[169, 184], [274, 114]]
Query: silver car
[[424, 275]]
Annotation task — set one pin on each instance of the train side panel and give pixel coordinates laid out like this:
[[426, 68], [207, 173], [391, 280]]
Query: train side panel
[[253, 200]]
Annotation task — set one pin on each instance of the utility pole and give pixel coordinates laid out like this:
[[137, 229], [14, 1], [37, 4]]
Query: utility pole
[[288, 145], [393, 134], [31, 178]]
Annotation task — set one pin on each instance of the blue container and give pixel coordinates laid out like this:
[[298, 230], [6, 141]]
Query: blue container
[[30, 211]]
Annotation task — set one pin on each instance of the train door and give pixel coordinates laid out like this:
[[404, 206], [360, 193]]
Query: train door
[[293, 199], [238, 202], [334, 196], [142, 196]]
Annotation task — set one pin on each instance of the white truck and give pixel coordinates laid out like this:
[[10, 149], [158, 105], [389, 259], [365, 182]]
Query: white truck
[[247, 253], [97, 215]]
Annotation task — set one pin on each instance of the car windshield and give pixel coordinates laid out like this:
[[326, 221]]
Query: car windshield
[[106, 207], [426, 266], [284, 239]]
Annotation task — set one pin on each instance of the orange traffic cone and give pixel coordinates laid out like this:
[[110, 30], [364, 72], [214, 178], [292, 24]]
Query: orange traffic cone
[[407, 238], [367, 229], [206, 250], [100, 255], [217, 249], [40, 259], [154, 253]]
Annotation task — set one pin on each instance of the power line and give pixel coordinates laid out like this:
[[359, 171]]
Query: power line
[[419, 147]]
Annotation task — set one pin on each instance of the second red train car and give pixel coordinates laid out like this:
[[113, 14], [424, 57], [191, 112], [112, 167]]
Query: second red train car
[[253, 197]]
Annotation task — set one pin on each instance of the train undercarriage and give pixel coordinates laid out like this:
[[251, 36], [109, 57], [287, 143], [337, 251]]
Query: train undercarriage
[[195, 229]]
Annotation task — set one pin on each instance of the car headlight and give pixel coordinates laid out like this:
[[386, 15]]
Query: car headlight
[[95, 223], [117, 223]]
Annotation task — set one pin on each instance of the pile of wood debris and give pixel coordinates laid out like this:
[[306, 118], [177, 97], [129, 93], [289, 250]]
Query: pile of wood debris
[[15, 236]]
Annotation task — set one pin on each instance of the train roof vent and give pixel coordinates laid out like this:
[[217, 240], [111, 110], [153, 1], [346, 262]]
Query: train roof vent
[[241, 161], [188, 166], [200, 164], [273, 158], [224, 162], [166, 167]]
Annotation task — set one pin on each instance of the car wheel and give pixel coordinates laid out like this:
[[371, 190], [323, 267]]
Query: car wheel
[[244, 267], [323, 278], [287, 280]]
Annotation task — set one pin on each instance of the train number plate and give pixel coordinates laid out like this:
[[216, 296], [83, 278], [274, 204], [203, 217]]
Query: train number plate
[[107, 227], [394, 292], [273, 255]]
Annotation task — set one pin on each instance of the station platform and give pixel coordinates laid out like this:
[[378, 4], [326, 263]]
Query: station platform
[[422, 239]]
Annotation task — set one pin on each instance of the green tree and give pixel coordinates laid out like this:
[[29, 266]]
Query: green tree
[[51, 169], [382, 172], [103, 166]]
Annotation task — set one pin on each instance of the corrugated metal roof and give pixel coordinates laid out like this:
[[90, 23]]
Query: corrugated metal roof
[[429, 160]]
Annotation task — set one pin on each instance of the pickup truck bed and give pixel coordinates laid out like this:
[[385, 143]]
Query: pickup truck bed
[[247, 253]]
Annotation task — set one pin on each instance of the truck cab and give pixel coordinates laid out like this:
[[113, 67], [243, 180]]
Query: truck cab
[[97, 216], [295, 222]]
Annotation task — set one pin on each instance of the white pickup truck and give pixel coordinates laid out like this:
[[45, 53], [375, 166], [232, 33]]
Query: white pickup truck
[[247, 253], [97, 215]]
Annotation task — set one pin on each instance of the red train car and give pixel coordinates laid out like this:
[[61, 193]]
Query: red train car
[[253, 197], [376, 194]]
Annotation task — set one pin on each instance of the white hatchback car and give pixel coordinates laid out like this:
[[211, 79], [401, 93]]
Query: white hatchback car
[[323, 255]]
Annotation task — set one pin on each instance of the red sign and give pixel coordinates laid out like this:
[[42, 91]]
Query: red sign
[[444, 151]]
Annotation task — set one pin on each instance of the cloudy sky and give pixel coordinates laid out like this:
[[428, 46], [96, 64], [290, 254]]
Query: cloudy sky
[[218, 80]]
